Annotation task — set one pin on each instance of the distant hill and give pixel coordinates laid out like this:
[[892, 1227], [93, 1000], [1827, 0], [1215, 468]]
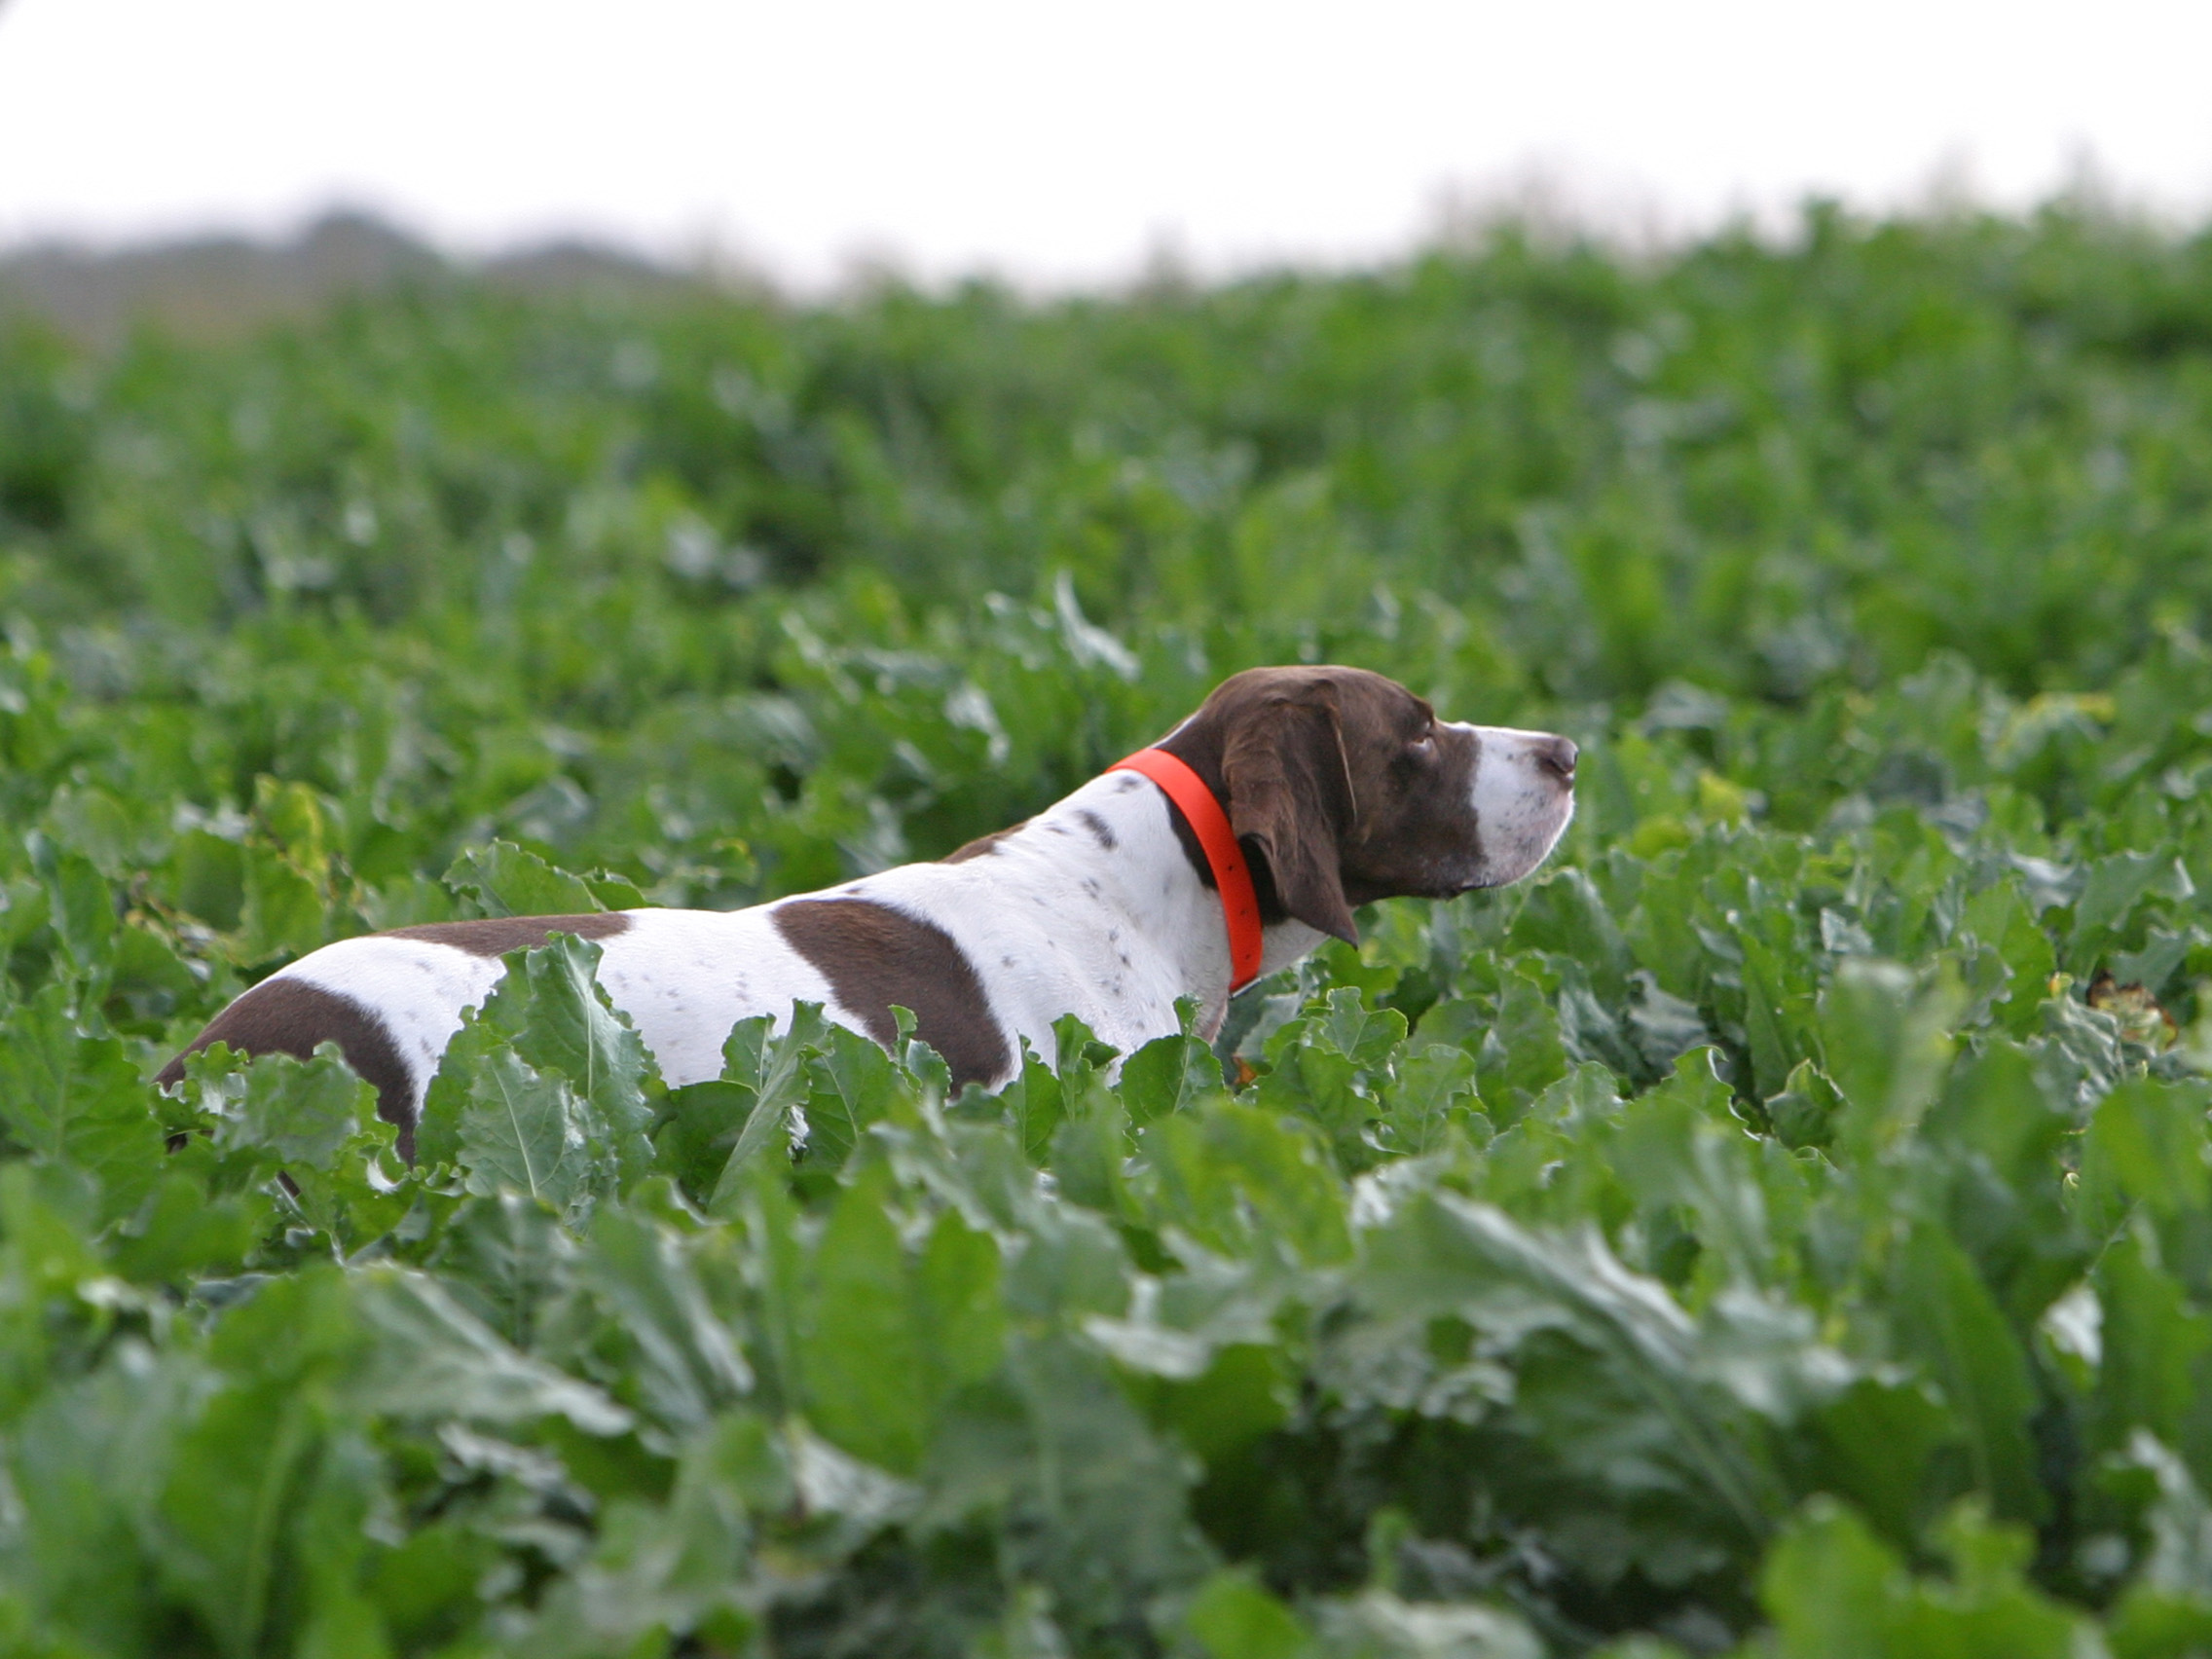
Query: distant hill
[[216, 287]]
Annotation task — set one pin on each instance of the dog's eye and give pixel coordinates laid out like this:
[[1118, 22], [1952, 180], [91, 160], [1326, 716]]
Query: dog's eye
[[1423, 746]]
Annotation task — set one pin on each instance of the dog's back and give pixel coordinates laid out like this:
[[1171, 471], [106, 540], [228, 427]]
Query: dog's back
[[1339, 784]]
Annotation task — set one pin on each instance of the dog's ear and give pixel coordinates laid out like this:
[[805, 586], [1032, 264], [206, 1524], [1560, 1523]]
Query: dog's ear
[[1289, 789]]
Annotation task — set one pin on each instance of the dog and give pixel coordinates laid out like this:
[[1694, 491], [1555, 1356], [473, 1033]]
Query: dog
[[1228, 849]]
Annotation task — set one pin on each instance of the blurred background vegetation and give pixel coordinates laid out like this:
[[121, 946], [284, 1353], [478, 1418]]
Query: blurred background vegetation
[[1756, 466]]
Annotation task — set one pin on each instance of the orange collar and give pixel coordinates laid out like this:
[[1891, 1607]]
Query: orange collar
[[1239, 905]]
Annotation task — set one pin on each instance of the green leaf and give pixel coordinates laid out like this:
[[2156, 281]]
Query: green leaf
[[284, 911], [1378, 1625], [1664, 1027], [1772, 1018], [2114, 887], [2001, 918], [2150, 1137], [314, 1123], [1242, 1181], [1996, 1104], [1885, 1040], [240, 1467], [302, 1113], [79, 904], [447, 1101], [1077, 1052], [1114, 1532], [543, 1090], [1521, 1054], [1626, 1402], [889, 1337], [69, 1099], [1026, 1629], [1679, 1144], [1248, 1390], [852, 1084], [508, 880], [1233, 1618], [1832, 1588], [1367, 1037], [1835, 1593], [1314, 1082], [1563, 912], [2166, 1613], [653, 1573], [2148, 1623], [701, 1123], [87, 1465], [1170, 1075], [568, 1025], [1877, 1441], [1805, 1112], [207, 874], [430, 1358], [180, 1231], [1433, 1089], [688, 1365], [777, 1072], [862, 1353], [2152, 1342], [1330, 1068], [524, 1130], [957, 1289], [1035, 1104], [52, 1313], [506, 1258], [1946, 1319], [559, 1022]]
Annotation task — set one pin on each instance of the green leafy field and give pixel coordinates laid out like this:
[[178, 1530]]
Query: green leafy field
[[1785, 1226]]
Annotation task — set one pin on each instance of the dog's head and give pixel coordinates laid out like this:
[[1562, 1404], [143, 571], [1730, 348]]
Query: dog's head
[[1349, 789]]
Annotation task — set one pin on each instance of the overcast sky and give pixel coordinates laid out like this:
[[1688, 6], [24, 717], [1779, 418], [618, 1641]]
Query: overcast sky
[[1056, 142]]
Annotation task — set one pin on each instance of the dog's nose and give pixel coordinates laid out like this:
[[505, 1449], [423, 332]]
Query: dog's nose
[[1556, 755]]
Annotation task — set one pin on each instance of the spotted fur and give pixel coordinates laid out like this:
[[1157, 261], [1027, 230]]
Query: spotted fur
[[1340, 785]]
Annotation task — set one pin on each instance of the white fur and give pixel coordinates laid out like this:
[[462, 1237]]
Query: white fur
[[1055, 923], [1522, 810], [417, 988]]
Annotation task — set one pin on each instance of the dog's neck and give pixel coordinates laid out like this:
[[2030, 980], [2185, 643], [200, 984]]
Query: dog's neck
[[1119, 833]]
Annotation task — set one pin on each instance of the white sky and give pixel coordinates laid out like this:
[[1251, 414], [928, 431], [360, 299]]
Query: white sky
[[1056, 142]]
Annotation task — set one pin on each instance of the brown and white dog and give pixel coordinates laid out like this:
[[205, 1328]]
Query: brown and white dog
[[1340, 786]]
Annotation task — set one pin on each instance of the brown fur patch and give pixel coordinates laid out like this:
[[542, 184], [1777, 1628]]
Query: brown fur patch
[[982, 846], [290, 1016], [1332, 804], [495, 936], [875, 957]]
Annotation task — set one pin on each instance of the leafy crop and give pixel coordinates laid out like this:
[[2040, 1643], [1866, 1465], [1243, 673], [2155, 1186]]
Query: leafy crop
[[1783, 1227]]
